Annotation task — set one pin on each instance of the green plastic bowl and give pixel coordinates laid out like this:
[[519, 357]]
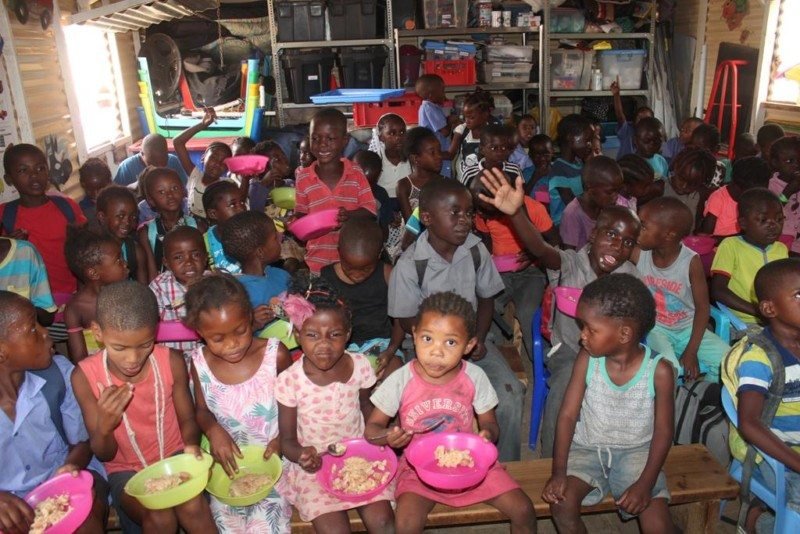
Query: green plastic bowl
[[253, 462], [198, 469], [283, 197], [280, 329]]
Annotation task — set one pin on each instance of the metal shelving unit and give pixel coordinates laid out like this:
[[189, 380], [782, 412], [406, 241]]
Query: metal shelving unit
[[277, 46]]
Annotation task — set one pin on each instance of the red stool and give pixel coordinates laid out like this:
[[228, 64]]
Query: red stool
[[724, 69]]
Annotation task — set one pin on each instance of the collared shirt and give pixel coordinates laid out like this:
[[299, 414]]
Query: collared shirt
[[217, 259], [520, 158], [22, 272], [458, 275], [171, 298]]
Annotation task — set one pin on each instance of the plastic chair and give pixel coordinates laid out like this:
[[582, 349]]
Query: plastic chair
[[722, 324], [540, 375], [734, 321], [786, 520], [174, 332]]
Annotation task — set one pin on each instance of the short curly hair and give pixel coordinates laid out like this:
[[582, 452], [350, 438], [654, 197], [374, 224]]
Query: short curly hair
[[622, 296], [114, 193], [83, 249], [212, 292], [127, 305], [450, 303], [243, 232]]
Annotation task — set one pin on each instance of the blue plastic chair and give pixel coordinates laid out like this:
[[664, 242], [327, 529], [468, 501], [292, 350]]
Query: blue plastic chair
[[734, 321], [786, 520], [540, 375], [722, 323]]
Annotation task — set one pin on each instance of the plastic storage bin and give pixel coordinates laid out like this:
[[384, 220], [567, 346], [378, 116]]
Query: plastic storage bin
[[352, 19], [362, 67], [571, 69], [508, 53], [308, 72], [453, 72], [445, 13], [497, 72], [627, 64], [406, 106], [300, 20], [567, 20]]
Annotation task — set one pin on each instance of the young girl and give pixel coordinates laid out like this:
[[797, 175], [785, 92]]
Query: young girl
[[387, 141], [164, 191], [278, 171], [135, 400], [423, 152], [117, 216], [615, 424], [234, 378], [691, 169], [213, 166], [526, 129], [323, 399], [785, 163], [639, 184], [467, 136], [444, 334]]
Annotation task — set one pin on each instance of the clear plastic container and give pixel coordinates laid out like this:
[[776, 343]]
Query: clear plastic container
[[566, 20], [508, 53], [571, 69], [445, 13], [627, 64], [505, 72]]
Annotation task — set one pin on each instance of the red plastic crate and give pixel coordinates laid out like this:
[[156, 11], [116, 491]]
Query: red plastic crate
[[453, 72], [406, 106]]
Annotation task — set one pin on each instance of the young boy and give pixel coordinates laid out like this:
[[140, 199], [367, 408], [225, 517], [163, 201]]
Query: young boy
[[40, 437], [362, 280], [186, 261], [221, 200], [278, 170], [526, 129], [447, 257], [748, 374], [692, 169], [497, 143], [673, 146], [564, 181], [721, 215], [541, 153], [766, 135], [331, 182], [674, 274], [22, 272], [785, 182], [609, 249], [647, 138], [430, 88], [739, 258], [625, 130], [94, 175], [154, 153], [602, 181], [370, 164], [251, 239], [631, 424], [96, 259], [117, 216]]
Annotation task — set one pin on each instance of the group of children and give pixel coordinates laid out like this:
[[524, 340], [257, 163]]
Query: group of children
[[392, 312]]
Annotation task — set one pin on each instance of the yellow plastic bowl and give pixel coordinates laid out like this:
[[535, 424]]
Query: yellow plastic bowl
[[283, 197], [198, 469], [280, 329], [253, 463]]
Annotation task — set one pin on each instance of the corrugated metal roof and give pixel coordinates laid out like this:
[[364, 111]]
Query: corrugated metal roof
[[136, 14]]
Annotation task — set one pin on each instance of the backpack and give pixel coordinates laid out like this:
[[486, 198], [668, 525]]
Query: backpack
[[10, 212], [422, 265], [54, 391], [700, 418]]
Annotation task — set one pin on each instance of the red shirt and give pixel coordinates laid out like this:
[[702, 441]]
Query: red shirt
[[47, 231], [351, 193]]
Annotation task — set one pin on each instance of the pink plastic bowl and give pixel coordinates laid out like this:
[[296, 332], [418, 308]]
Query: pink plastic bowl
[[420, 455], [315, 225], [507, 263], [702, 244], [567, 299], [79, 490], [174, 331], [356, 447], [247, 165]]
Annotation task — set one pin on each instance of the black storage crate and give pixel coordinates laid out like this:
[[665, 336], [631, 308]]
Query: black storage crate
[[300, 20], [307, 72], [352, 19], [362, 68]]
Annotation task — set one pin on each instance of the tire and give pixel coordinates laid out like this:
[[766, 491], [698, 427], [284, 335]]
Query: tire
[[45, 18], [21, 11]]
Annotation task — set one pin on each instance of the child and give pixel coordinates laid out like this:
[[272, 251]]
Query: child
[[304, 149], [421, 148], [692, 169], [439, 384], [785, 182], [213, 167], [278, 171], [609, 249], [639, 183], [602, 181], [125, 388], [387, 141], [674, 274], [738, 258], [496, 145], [322, 399], [526, 129], [222, 200], [234, 379], [186, 261], [430, 88], [154, 153], [330, 182], [721, 217], [22, 272], [620, 399], [647, 138], [672, 147], [465, 147], [541, 153], [707, 137], [766, 135], [371, 165], [250, 238], [625, 130], [241, 146], [94, 175], [32, 423], [164, 192], [597, 137], [748, 374], [447, 257], [38, 217], [116, 215], [564, 180], [745, 146], [97, 261]]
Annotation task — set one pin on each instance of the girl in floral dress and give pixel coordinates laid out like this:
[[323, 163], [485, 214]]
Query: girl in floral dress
[[234, 380], [323, 398]]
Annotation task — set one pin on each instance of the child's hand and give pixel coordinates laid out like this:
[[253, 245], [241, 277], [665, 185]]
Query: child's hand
[[342, 217], [398, 438], [524, 260], [387, 363], [262, 315], [72, 469], [111, 405], [224, 450], [194, 450], [554, 489], [505, 198], [209, 117], [273, 447], [15, 514], [691, 369], [309, 460], [615, 87], [636, 498], [478, 352], [486, 435]]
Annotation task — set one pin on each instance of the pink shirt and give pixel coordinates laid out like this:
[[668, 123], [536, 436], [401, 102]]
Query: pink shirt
[[724, 208], [351, 193]]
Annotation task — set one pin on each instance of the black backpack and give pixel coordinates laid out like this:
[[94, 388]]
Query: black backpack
[[700, 418]]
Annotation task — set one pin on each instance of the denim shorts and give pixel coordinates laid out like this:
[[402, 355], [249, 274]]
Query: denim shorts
[[611, 471]]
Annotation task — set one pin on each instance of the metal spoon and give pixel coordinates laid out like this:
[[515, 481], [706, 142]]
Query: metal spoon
[[427, 428], [335, 450]]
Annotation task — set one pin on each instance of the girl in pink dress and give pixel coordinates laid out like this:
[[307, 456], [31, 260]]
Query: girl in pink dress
[[234, 388], [440, 384], [323, 398]]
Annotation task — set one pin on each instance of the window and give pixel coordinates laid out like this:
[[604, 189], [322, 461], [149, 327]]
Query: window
[[97, 84], [784, 84]]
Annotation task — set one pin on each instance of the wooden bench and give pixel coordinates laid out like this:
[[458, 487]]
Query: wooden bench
[[694, 478], [514, 360]]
